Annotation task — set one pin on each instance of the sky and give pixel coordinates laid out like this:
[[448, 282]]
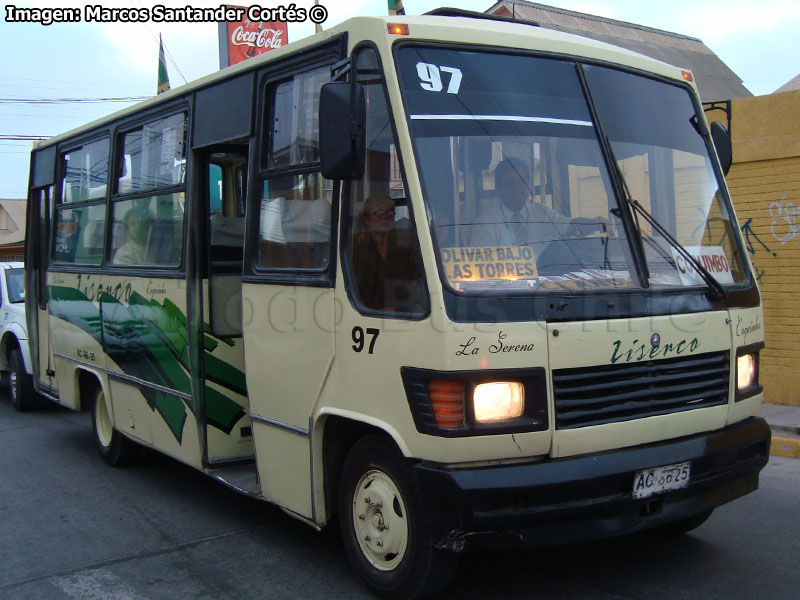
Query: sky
[[758, 40]]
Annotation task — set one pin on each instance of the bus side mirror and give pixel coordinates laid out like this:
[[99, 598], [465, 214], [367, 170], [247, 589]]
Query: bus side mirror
[[342, 131], [722, 142]]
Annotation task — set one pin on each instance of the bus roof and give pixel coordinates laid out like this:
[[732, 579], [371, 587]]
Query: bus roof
[[430, 28]]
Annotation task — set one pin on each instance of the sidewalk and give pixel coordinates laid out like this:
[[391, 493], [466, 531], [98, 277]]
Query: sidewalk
[[785, 424]]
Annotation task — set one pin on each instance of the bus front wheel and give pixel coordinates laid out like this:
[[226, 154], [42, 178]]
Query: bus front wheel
[[115, 448], [387, 527]]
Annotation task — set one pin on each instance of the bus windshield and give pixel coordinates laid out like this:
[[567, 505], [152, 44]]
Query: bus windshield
[[517, 188]]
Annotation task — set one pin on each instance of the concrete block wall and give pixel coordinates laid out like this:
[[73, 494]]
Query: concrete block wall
[[764, 182]]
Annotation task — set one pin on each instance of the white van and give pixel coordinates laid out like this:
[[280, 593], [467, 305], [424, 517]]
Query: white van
[[15, 358]]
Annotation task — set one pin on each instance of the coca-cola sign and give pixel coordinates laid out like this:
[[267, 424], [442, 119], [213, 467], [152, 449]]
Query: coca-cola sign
[[263, 38], [246, 38]]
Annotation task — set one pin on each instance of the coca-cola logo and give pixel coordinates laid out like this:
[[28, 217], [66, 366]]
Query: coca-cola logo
[[262, 38]]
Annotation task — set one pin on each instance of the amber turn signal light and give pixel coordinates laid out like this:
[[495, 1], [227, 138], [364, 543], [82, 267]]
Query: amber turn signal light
[[447, 401], [398, 28]]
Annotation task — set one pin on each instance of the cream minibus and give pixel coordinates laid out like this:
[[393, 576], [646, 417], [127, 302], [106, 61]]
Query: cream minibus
[[462, 283]]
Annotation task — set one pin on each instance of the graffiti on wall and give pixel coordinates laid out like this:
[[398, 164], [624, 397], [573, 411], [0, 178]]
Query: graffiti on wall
[[784, 220], [753, 244], [783, 226]]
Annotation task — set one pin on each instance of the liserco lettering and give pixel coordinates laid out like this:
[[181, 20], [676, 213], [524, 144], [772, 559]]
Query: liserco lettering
[[639, 351]]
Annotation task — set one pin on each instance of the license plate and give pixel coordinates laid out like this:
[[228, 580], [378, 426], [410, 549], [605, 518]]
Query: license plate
[[649, 482]]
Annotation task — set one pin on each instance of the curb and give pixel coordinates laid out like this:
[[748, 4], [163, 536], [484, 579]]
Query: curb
[[785, 446]]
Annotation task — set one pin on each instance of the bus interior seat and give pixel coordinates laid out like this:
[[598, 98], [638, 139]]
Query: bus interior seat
[[226, 238], [304, 239], [163, 242]]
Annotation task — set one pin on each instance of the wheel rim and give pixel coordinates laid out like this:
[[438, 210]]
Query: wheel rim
[[12, 380], [103, 421], [380, 520]]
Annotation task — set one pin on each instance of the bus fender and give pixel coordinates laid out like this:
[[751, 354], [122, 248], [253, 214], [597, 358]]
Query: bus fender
[[80, 376], [366, 420], [327, 462]]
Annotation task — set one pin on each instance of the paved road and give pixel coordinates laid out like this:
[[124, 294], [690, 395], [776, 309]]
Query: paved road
[[73, 528]]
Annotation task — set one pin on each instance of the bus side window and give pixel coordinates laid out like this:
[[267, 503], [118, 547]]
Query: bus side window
[[295, 227], [148, 231], [383, 256], [148, 206], [80, 213], [295, 210]]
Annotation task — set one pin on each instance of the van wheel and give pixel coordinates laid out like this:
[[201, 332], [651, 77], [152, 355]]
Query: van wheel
[[115, 448], [683, 526], [20, 382], [387, 527]]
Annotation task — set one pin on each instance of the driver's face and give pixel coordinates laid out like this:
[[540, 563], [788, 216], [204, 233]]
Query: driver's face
[[513, 191]]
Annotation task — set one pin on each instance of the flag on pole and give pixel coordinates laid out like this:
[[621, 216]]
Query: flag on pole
[[163, 77], [396, 7]]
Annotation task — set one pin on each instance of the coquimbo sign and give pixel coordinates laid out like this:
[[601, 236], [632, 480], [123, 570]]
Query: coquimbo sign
[[255, 274]]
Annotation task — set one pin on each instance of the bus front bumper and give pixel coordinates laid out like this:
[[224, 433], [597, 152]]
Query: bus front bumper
[[569, 500]]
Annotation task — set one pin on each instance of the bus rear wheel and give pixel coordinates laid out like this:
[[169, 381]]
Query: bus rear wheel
[[115, 448], [387, 527]]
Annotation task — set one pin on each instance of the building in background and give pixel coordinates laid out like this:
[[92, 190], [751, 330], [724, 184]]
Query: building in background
[[715, 80], [791, 85], [12, 229]]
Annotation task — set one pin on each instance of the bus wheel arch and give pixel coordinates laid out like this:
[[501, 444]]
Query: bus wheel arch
[[114, 448], [388, 523], [340, 435], [86, 382]]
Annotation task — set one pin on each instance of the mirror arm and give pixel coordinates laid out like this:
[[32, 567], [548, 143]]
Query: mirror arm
[[340, 69]]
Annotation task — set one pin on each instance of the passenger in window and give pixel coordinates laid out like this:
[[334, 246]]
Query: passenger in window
[[388, 268], [511, 219], [132, 251]]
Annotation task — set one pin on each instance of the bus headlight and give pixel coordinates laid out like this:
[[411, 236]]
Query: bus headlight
[[746, 372], [458, 404], [498, 401]]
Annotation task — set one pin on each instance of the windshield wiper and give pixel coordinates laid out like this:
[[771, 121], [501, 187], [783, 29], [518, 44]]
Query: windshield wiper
[[718, 292], [715, 286]]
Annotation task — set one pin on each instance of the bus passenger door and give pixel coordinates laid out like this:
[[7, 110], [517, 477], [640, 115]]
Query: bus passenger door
[[288, 332], [288, 288], [228, 429]]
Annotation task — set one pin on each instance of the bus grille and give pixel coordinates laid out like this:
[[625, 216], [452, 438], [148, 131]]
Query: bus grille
[[612, 393]]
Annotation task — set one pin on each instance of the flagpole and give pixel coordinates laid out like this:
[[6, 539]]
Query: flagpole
[[163, 76], [396, 7]]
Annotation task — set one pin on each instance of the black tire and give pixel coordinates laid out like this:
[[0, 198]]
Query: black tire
[[20, 382], [390, 541], [683, 526], [115, 448]]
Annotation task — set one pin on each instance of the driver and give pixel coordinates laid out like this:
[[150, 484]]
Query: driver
[[510, 219]]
